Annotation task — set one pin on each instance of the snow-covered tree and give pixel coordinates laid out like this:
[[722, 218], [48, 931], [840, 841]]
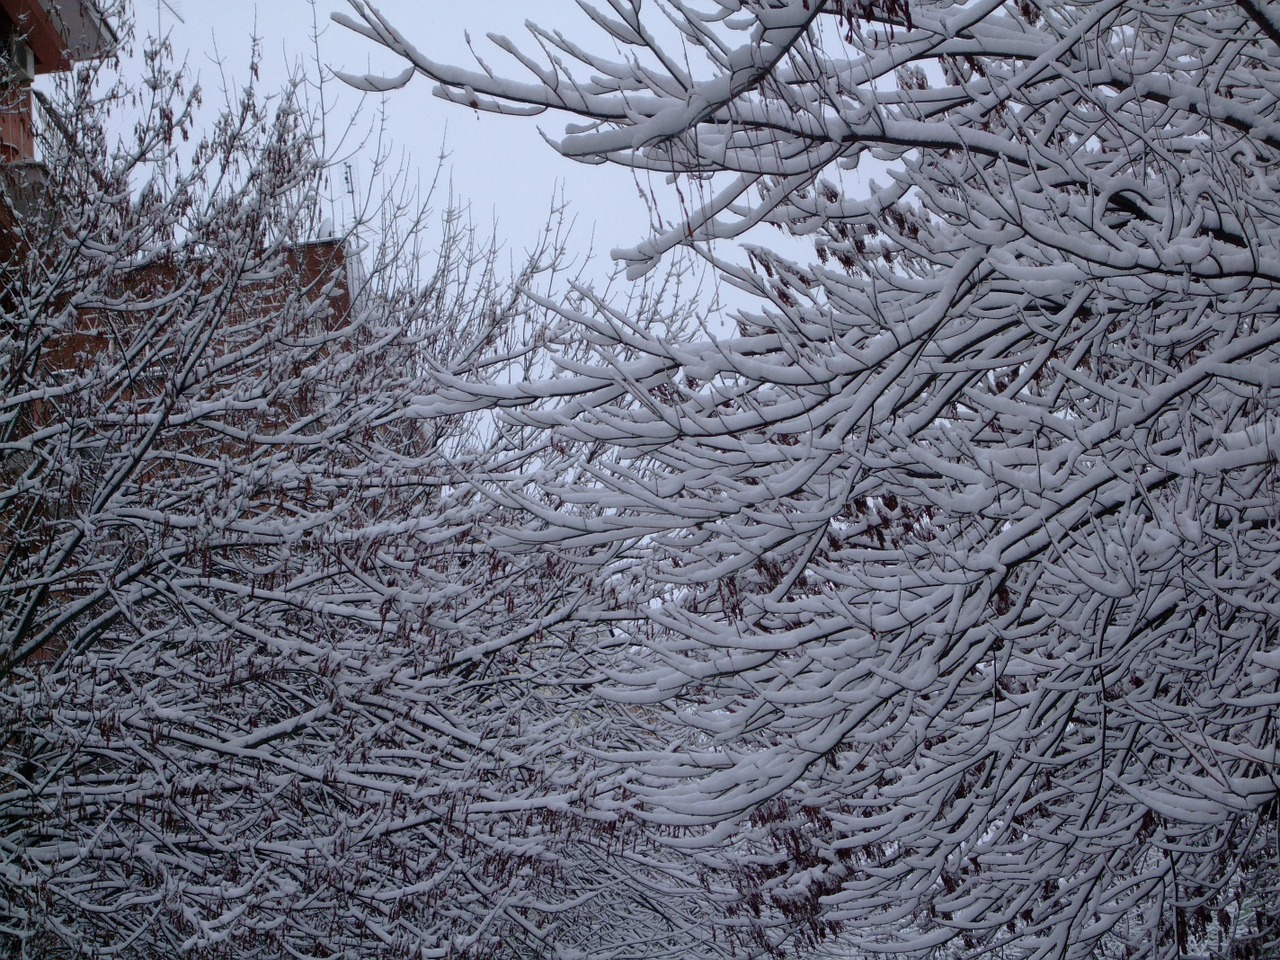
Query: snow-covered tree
[[265, 690], [958, 559]]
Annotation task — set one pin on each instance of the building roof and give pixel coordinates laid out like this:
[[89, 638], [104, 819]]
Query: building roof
[[60, 32]]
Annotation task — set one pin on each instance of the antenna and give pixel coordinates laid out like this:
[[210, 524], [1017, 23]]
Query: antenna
[[165, 4], [349, 178]]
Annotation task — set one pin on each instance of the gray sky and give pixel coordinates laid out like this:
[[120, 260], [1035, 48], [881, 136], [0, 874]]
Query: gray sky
[[500, 164]]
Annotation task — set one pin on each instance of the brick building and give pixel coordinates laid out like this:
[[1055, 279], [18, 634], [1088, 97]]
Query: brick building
[[38, 37], [47, 36], [309, 284]]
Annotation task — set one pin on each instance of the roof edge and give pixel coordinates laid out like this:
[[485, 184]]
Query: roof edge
[[61, 32]]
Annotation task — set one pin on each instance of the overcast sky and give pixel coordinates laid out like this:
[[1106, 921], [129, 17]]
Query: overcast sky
[[500, 164]]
